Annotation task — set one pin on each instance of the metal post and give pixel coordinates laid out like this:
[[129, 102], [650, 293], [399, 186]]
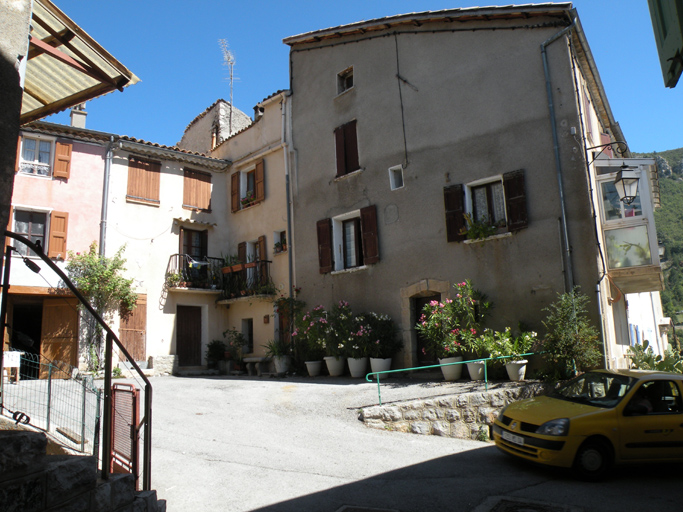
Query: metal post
[[3, 321], [147, 447], [83, 420], [96, 440], [106, 430], [49, 393]]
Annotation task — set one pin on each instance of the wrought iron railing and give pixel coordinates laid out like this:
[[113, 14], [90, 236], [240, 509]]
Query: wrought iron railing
[[247, 279], [145, 425], [184, 271]]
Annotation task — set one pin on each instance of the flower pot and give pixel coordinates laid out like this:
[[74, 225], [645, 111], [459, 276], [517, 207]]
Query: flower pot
[[380, 365], [314, 367], [453, 371], [281, 363], [516, 369], [358, 366], [335, 365], [476, 370]]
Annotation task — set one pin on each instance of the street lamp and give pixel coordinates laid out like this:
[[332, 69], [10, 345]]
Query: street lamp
[[627, 184]]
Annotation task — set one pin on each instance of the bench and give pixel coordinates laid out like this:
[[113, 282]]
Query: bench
[[254, 364]]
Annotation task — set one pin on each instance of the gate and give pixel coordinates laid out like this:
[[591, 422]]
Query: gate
[[125, 434]]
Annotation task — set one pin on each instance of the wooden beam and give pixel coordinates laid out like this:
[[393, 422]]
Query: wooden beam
[[64, 103]]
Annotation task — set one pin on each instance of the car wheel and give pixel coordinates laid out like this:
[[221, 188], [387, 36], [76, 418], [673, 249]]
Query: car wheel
[[593, 460]]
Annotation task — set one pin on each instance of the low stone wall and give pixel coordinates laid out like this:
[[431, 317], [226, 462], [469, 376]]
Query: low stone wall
[[465, 415], [163, 365]]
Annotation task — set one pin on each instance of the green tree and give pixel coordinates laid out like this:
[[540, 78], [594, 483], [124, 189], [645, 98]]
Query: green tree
[[100, 280]]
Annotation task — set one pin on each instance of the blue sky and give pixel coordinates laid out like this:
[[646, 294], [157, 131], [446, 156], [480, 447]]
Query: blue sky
[[172, 45]]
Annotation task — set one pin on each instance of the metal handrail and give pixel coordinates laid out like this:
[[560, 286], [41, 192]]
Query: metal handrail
[[110, 339], [484, 360]]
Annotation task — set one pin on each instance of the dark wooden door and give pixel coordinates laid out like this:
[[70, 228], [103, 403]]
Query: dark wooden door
[[189, 335], [133, 330], [424, 355]]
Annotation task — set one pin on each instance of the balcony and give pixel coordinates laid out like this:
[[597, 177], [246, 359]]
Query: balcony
[[246, 280], [184, 272]]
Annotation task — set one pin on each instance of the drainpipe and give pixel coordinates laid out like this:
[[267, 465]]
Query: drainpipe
[[105, 194], [290, 247], [567, 260]]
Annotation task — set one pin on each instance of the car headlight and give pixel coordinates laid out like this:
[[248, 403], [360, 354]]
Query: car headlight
[[559, 427]]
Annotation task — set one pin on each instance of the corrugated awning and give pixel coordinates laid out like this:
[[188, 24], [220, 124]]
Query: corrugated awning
[[65, 65]]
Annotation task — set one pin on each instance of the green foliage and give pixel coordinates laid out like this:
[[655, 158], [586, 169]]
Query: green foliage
[[276, 348], [571, 344], [643, 358], [452, 326], [477, 230], [505, 344], [233, 342], [215, 352], [100, 280], [384, 341], [117, 373]]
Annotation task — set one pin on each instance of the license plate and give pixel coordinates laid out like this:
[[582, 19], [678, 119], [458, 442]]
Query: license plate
[[513, 438]]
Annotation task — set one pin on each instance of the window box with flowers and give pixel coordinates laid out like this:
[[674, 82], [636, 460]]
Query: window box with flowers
[[248, 200]]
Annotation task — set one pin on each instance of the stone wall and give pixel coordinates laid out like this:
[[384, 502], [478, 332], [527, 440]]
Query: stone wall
[[465, 416], [163, 365]]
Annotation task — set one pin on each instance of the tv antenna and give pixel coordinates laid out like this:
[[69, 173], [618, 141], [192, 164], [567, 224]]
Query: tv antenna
[[229, 61]]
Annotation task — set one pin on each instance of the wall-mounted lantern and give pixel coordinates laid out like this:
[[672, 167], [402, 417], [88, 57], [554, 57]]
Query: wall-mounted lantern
[[626, 184]]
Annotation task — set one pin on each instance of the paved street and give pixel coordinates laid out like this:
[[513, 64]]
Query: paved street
[[238, 444]]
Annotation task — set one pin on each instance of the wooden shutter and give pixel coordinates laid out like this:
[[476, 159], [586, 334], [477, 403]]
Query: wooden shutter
[[16, 164], [341, 154], [8, 240], [59, 222], [325, 259], [242, 252], [235, 192], [368, 228], [515, 200], [62, 160], [259, 182], [263, 263], [143, 180], [454, 203], [351, 146], [196, 190], [606, 139]]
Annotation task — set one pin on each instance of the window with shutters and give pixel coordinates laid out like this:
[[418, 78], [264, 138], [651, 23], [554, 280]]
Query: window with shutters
[[348, 241], [48, 229], [346, 149], [248, 186], [143, 181], [38, 155], [197, 190], [486, 207]]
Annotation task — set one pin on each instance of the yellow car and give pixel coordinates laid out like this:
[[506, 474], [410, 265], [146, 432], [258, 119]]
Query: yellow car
[[598, 419]]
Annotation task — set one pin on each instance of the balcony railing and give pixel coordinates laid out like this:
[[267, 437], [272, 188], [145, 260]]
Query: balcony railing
[[247, 279], [184, 271]]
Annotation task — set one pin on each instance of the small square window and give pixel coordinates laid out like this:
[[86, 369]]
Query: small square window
[[345, 80], [35, 157], [396, 177]]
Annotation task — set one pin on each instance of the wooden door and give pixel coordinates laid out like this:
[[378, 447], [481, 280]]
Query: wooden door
[[424, 355], [189, 335], [59, 336], [133, 330]]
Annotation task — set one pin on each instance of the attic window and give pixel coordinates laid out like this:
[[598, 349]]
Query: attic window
[[345, 80]]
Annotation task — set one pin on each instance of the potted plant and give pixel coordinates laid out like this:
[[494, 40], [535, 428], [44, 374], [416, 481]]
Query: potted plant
[[308, 335], [215, 352], [172, 279], [339, 337], [231, 264], [279, 352], [247, 200], [452, 326], [384, 341], [358, 347], [511, 351]]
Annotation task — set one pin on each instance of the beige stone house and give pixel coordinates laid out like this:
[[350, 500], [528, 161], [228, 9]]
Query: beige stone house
[[406, 126]]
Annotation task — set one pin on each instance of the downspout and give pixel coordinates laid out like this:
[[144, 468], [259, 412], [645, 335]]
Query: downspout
[[567, 260], [290, 246], [105, 195]]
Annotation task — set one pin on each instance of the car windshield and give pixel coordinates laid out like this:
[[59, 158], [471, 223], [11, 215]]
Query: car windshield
[[595, 388]]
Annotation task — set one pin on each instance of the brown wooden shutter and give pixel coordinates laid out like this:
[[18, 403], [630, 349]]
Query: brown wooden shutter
[[340, 152], [259, 182], [325, 259], [196, 190], [242, 252], [454, 203], [143, 180], [368, 228], [59, 223], [263, 265], [351, 145], [515, 200], [235, 192], [62, 160], [16, 165]]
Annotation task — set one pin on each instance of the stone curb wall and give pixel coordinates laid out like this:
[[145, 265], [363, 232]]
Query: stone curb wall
[[464, 416]]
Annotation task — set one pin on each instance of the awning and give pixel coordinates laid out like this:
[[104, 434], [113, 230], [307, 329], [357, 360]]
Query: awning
[[65, 65]]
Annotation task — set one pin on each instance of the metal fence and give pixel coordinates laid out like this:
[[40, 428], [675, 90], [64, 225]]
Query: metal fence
[[54, 397]]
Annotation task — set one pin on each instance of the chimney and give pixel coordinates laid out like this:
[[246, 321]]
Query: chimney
[[78, 115]]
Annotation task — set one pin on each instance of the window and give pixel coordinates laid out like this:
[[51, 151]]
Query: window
[[36, 226], [248, 187], [194, 243], [613, 208], [396, 177], [495, 204], [346, 144], [280, 244], [248, 333], [35, 157], [348, 241], [345, 80], [143, 181], [655, 397], [197, 190]]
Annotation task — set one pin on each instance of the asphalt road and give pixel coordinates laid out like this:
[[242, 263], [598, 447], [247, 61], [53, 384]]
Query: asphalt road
[[295, 444]]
